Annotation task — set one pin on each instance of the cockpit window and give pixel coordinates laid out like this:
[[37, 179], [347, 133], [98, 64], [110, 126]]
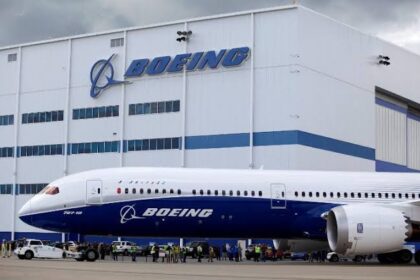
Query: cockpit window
[[52, 190]]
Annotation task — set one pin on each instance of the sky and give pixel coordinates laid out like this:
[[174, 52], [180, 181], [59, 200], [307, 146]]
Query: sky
[[24, 21]]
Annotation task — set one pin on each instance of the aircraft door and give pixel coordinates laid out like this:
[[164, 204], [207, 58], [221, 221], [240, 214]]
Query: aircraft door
[[94, 192], [278, 196]]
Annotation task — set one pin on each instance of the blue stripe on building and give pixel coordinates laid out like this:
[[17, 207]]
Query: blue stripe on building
[[275, 138], [383, 166], [390, 105]]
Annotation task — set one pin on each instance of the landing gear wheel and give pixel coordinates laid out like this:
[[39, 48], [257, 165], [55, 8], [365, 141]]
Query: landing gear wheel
[[404, 256], [385, 258], [417, 257], [29, 255], [334, 258], [358, 259], [91, 255]]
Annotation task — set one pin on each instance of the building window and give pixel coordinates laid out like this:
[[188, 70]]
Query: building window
[[96, 112], [11, 57], [41, 150], [6, 188], [6, 152], [94, 147], [40, 117], [154, 107], [7, 120], [31, 188], [117, 42], [152, 144]]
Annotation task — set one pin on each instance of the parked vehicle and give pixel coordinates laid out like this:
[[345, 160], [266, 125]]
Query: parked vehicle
[[192, 248], [34, 248], [124, 247], [334, 257], [299, 256]]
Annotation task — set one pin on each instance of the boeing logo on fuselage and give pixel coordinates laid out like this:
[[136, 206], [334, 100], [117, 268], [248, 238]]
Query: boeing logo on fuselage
[[128, 213], [178, 212], [164, 64]]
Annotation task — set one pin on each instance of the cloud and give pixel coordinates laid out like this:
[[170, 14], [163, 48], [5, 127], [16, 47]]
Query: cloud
[[28, 20]]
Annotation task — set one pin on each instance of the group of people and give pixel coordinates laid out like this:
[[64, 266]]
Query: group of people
[[6, 248]]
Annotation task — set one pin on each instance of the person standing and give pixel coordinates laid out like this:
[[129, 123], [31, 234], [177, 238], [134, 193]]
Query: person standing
[[184, 254], [3, 248], [9, 249], [152, 252], [114, 252], [257, 252], [240, 252], [133, 251], [211, 254], [199, 252]]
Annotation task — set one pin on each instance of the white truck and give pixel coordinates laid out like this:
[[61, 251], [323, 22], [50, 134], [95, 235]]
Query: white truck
[[34, 248]]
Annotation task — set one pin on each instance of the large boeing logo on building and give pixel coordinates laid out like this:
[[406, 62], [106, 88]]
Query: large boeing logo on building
[[102, 76], [102, 72]]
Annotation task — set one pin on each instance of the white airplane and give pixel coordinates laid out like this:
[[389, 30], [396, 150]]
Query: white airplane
[[358, 213]]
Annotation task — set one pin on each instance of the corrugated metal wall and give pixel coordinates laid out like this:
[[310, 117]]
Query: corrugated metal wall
[[391, 135], [413, 142]]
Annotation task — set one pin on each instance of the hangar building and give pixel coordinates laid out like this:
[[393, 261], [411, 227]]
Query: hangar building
[[278, 88]]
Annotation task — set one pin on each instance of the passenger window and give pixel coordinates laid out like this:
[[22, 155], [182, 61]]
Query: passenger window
[[194, 192], [324, 194], [216, 192], [253, 193], [399, 195], [126, 190], [118, 190], [366, 195], [179, 191], [380, 195], [413, 196], [359, 195], [373, 195], [156, 190], [134, 190], [282, 194], [393, 195], [171, 191], [164, 191], [141, 191], [345, 195], [231, 193], [406, 195], [338, 195], [149, 191], [352, 195], [223, 192], [310, 194], [317, 194], [303, 194], [245, 193], [331, 194], [260, 193], [208, 192], [201, 192], [386, 195], [238, 193]]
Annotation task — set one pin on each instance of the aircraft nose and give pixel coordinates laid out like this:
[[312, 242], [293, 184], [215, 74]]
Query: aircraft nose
[[25, 210]]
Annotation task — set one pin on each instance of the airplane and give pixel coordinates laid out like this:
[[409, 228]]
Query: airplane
[[357, 213]]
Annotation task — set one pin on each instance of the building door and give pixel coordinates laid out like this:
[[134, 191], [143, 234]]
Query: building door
[[94, 192], [278, 196]]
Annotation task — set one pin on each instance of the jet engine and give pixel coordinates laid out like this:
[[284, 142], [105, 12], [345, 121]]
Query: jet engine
[[366, 229]]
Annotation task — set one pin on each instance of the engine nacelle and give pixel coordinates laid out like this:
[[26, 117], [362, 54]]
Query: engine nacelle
[[366, 229]]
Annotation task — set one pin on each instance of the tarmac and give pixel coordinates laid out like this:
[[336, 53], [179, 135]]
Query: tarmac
[[41, 269]]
